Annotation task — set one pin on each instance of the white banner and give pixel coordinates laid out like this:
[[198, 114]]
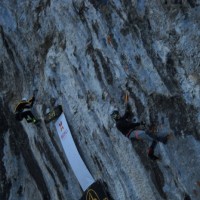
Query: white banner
[[80, 170]]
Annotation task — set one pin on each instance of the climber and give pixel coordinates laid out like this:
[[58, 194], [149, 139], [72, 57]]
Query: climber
[[22, 110], [132, 130]]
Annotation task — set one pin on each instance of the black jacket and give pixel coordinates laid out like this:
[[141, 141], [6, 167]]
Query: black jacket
[[24, 104], [124, 124]]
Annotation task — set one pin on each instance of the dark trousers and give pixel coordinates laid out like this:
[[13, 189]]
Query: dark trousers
[[26, 114], [147, 136]]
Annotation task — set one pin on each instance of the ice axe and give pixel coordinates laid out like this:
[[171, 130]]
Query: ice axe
[[126, 98]]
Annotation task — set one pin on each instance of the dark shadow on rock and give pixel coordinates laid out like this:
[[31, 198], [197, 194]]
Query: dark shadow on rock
[[152, 166], [182, 117], [4, 181], [19, 144]]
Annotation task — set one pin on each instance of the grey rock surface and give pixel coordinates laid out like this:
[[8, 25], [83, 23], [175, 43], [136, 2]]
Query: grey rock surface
[[85, 55]]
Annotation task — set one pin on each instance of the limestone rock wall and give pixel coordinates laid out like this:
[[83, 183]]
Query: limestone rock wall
[[86, 55]]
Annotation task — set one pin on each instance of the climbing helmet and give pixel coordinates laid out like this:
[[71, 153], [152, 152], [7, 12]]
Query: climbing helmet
[[24, 99]]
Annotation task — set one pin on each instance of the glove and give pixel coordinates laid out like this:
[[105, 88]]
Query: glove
[[150, 151], [151, 154], [32, 100], [153, 157]]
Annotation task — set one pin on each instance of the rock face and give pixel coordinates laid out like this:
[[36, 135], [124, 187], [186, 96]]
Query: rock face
[[86, 55]]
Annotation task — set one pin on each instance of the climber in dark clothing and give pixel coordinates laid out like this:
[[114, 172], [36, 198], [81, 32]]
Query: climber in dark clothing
[[22, 110], [131, 130]]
